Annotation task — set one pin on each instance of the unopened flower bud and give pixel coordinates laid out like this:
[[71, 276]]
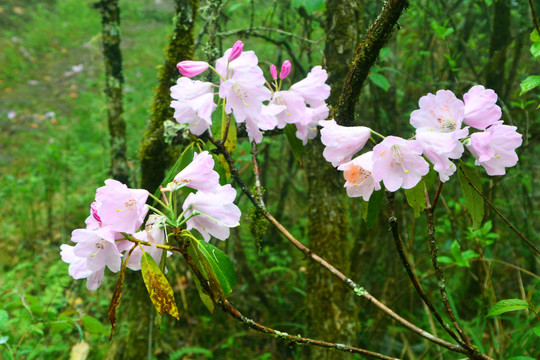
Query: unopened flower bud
[[190, 68], [236, 51], [273, 71], [285, 69]]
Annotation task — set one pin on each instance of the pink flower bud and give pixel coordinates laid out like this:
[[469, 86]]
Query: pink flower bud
[[236, 50], [192, 68], [273, 71], [285, 69]]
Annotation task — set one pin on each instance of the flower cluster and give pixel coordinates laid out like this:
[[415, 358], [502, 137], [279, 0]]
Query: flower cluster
[[244, 93], [112, 228], [440, 138]]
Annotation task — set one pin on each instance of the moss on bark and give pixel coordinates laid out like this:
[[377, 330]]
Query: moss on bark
[[156, 155]]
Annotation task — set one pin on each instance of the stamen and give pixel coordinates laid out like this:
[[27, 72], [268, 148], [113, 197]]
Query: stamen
[[397, 158], [241, 93], [356, 175]]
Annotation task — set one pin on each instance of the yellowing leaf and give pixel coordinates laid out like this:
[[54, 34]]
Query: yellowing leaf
[[158, 287]]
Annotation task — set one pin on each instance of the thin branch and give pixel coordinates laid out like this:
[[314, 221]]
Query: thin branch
[[439, 272], [249, 30], [360, 291], [365, 56], [256, 172], [227, 306], [437, 194], [230, 309], [499, 213], [414, 279]]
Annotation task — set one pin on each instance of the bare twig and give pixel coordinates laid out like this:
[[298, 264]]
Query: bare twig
[[259, 28], [510, 225], [360, 291], [231, 310], [416, 283], [439, 272]]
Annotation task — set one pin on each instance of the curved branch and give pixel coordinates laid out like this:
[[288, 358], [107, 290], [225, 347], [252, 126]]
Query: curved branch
[[227, 307], [360, 291], [365, 55]]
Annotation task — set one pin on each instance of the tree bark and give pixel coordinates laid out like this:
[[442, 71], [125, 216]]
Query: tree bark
[[114, 80], [156, 156], [330, 315]]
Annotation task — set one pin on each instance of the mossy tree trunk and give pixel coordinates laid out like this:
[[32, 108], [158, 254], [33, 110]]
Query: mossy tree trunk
[[114, 80], [156, 156], [328, 301], [329, 310]]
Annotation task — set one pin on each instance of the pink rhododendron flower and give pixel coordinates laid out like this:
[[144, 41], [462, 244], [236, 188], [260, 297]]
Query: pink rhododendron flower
[[218, 213], [495, 147], [438, 150], [295, 107], [285, 69], [98, 248], [236, 50], [121, 208], [441, 113], [267, 120], [342, 142], [313, 88], [78, 269], [199, 174], [358, 176], [194, 104], [247, 61], [273, 71], [398, 163], [481, 109], [307, 127], [190, 68]]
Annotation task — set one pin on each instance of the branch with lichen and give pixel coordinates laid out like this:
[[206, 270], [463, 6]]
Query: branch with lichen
[[358, 290], [298, 339]]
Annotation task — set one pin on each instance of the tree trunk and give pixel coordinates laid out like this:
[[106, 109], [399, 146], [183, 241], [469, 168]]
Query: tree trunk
[[156, 156], [114, 80], [328, 301], [136, 308]]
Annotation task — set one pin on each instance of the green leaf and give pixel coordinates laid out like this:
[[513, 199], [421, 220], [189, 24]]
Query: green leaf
[[93, 326], [445, 259], [535, 49], [473, 201], [373, 208], [158, 287], [536, 331], [296, 145], [196, 257], [221, 264], [192, 350], [4, 339], [3, 318], [534, 36], [507, 305], [416, 198], [380, 80], [521, 358], [529, 83]]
